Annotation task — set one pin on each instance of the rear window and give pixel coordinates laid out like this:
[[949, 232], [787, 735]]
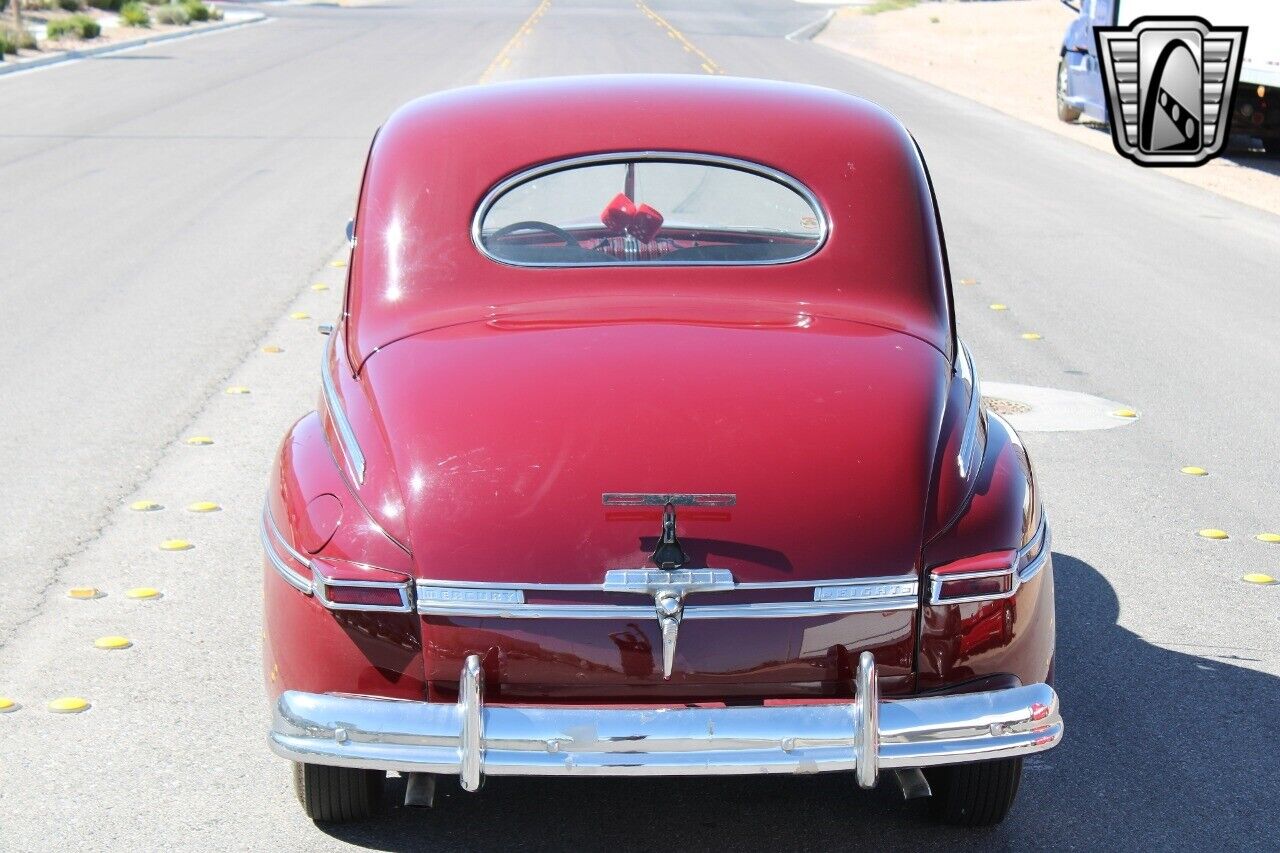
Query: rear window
[[649, 209]]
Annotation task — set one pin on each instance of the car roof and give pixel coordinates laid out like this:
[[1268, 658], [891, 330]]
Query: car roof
[[415, 267]]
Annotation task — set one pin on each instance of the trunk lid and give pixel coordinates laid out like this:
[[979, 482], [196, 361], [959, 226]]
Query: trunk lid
[[505, 436]]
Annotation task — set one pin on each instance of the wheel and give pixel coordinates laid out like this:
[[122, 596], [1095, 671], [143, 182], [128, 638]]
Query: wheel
[[1066, 112], [978, 794], [1271, 146], [337, 794]]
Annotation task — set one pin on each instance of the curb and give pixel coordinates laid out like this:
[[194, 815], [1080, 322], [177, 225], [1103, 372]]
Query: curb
[[808, 31], [73, 55]]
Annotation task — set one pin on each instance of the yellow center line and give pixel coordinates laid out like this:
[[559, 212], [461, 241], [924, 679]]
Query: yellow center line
[[503, 59], [709, 65]]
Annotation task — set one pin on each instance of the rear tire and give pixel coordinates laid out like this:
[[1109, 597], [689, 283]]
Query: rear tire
[[1271, 146], [337, 794], [1066, 112], [978, 794]]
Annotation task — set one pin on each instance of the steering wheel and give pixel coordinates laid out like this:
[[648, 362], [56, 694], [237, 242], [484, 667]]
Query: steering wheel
[[535, 225]]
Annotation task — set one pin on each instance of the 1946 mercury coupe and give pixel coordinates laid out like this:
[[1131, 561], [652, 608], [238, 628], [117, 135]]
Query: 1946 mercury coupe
[[647, 447]]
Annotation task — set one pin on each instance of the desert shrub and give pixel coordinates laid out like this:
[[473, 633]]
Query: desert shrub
[[77, 26], [11, 40], [171, 14], [135, 14], [71, 5], [196, 10]]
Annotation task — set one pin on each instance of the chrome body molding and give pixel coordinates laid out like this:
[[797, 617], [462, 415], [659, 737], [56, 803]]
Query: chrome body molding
[[969, 438], [273, 543], [824, 222], [351, 451], [1028, 562], [472, 740], [309, 580], [508, 600]]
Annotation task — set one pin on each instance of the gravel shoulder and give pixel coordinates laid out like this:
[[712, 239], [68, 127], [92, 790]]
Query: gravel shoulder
[[1005, 55]]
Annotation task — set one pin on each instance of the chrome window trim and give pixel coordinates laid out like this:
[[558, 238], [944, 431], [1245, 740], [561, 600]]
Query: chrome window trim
[[969, 439], [1020, 575], [354, 456], [270, 536], [320, 581], [767, 172], [899, 593]]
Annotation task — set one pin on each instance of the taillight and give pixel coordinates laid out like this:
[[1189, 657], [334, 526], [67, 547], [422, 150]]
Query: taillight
[[977, 578], [340, 585], [364, 597], [990, 576]]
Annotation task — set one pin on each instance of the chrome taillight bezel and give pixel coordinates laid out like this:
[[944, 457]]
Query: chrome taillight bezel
[[320, 584], [1026, 564]]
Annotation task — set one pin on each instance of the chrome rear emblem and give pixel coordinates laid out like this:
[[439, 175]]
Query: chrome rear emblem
[[668, 588], [670, 582]]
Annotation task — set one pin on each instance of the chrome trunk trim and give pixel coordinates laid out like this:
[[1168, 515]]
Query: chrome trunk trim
[[498, 600]]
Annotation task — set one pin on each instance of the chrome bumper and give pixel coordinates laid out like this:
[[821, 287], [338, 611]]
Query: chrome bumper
[[472, 740]]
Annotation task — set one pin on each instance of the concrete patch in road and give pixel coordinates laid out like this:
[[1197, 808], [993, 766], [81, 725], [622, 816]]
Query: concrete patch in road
[[1034, 409]]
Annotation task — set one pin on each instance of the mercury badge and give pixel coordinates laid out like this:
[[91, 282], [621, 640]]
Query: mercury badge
[[670, 582], [1170, 82]]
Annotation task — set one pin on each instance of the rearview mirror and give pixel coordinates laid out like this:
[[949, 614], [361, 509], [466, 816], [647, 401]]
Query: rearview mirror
[[351, 229]]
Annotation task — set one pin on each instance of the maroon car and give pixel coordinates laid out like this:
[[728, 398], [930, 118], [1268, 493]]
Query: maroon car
[[647, 447]]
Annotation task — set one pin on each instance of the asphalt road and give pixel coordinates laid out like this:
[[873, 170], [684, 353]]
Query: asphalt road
[[165, 210]]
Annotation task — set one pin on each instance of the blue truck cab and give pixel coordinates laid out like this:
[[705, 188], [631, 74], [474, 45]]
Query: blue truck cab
[[1256, 105]]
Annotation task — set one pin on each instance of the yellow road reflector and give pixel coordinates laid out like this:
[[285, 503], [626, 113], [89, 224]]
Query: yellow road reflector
[[145, 506], [7, 705], [272, 349], [1268, 537], [1124, 413], [338, 263], [237, 389], [967, 281], [176, 545], [999, 306], [1214, 533], [1195, 471], [112, 643], [68, 705], [203, 506], [1031, 336], [199, 440], [142, 592], [300, 315], [1258, 578], [319, 285], [84, 592]]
